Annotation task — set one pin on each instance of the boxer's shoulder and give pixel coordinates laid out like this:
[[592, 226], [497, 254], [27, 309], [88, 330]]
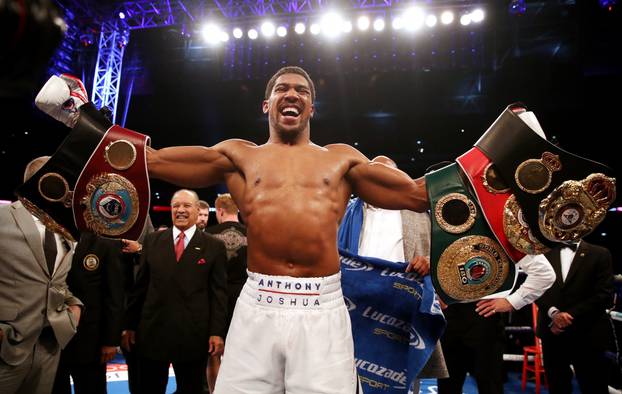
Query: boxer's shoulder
[[234, 144], [348, 153], [234, 148]]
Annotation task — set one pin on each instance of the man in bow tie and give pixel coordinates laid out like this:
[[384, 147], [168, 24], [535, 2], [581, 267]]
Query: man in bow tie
[[572, 321], [177, 310]]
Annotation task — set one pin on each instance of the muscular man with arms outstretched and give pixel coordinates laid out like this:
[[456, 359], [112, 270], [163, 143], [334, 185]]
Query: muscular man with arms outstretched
[[290, 331], [292, 194]]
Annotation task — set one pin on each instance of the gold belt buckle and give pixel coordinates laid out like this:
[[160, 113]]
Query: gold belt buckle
[[575, 208]]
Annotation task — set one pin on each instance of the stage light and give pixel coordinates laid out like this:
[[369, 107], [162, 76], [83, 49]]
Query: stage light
[[315, 29], [379, 24], [224, 36], [447, 17], [517, 7], [465, 19], [414, 18], [608, 4], [267, 29], [431, 20], [238, 33], [331, 24], [477, 16], [211, 33], [346, 27], [300, 28], [281, 31], [363, 23], [252, 34], [121, 15], [398, 23]]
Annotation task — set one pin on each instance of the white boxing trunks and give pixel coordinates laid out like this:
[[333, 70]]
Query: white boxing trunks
[[289, 335]]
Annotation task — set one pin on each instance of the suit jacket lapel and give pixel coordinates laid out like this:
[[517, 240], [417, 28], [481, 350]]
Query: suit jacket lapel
[[27, 225], [82, 246], [579, 259], [193, 249], [555, 260], [169, 243]]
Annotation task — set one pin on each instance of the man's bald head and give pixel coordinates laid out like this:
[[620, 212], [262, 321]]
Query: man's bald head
[[34, 166], [384, 160], [191, 193]]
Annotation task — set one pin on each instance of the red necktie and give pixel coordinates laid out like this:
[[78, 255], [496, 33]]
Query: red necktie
[[179, 246]]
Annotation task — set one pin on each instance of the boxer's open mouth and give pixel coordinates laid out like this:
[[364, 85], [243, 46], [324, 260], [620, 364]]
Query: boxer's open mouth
[[290, 111]]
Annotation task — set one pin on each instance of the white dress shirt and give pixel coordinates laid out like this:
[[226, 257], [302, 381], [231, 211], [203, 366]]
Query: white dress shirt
[[566, 255], [381, 235], [188, 234], [61, 250], [540, 276]]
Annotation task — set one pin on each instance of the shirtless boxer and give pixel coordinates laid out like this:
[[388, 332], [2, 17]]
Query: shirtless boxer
[[290, 331]]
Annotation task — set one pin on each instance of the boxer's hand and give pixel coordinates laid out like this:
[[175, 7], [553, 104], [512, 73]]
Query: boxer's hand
[[108, 353], [216, 345], [61, 97], [128, 339]]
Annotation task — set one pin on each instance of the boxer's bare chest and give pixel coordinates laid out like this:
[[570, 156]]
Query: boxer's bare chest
[[306, 173]]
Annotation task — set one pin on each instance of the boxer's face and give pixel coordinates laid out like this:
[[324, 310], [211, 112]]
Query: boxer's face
[[290, 105], [184, 210]]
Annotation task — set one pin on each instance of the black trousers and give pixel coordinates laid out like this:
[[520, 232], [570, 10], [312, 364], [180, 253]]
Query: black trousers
[[589, 362], [153, 376], [88, 378], [473, 344], [131, 360]]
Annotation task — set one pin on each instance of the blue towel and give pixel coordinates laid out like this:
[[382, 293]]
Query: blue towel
[[396, 321], [351, 225], [396, 317]]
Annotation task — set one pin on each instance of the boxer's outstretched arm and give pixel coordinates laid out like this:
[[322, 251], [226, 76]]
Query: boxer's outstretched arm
[[384, 186], [189, 166]]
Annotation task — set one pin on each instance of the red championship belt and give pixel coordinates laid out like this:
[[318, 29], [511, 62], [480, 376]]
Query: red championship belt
[[112, 193], [492, 194]]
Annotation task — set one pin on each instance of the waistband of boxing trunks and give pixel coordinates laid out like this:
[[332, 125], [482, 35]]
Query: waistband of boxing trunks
[[287, 292]]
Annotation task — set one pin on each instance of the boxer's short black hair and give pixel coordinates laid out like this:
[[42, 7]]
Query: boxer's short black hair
[[290, 70]]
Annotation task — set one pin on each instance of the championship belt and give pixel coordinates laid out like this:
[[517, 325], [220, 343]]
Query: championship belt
[[49, 192], [563, 197], [112, 193], [492, 194], [467, 261], [96, 181]]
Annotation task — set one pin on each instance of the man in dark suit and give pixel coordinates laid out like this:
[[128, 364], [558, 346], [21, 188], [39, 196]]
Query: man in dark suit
[[96, 277], [572, 322], [177, 312]]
